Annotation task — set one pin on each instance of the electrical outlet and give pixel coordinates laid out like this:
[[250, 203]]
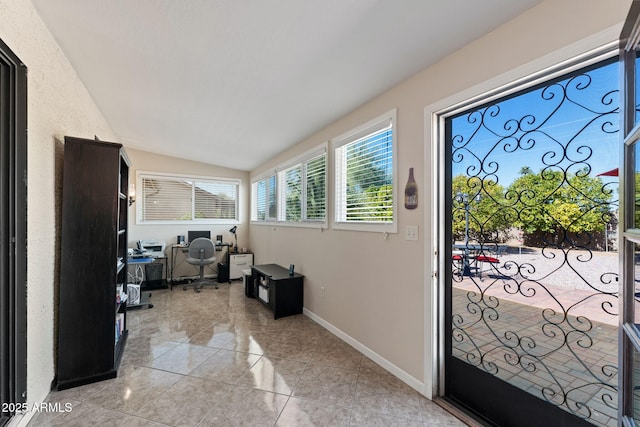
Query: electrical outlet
[[323, 291], [411, 232]]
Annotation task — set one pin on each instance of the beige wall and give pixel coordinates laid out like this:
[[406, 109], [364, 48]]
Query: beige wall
[[379, 291], [150, 162], [58, 105]]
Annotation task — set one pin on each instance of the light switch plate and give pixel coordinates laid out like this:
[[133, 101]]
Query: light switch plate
[[411, 232]]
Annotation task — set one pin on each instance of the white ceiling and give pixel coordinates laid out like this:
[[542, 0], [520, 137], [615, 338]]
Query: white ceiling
[[235, 82]]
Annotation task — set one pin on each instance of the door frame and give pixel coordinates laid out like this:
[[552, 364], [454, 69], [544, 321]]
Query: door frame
[[13, 231], [629, 335], [593, 49]]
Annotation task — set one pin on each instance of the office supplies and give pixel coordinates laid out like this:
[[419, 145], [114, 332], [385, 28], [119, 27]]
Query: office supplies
[[153, 248]]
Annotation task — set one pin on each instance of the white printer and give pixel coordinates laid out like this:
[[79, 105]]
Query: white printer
[[153, 248]]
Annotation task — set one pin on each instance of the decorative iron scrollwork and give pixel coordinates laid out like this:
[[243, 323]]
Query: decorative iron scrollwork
[[543, 319]]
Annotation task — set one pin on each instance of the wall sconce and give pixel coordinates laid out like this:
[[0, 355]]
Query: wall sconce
[[132, 194], [233, 231]]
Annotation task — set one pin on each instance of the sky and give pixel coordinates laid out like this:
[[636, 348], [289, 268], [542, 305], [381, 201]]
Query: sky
[[571, 123]]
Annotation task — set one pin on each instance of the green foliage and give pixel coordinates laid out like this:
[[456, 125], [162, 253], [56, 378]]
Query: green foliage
[[637, 201], [369, 187], [316, 189], [294, 195], [552, 201], [487, 218], [548, 201]]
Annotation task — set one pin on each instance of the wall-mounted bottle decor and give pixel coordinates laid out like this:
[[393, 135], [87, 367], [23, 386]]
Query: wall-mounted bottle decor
[[411, 192]]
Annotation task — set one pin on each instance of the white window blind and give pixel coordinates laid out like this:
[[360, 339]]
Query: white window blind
[[316, 189], [291, 194], [264, 199], [168, 199], [365, 176], [302, 184]]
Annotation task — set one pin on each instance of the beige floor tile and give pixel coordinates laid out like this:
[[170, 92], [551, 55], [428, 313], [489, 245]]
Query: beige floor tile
[[273, 374], [246, 407], [328, 384], [219, 359], [186, 403], [183, 358], [312, 413], [130, 392], [226, 366], [361, 418]]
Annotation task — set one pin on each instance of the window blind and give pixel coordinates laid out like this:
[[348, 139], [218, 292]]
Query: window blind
[[364, 178], [316, 200], [302, 194], [264, 203], [171, 198]]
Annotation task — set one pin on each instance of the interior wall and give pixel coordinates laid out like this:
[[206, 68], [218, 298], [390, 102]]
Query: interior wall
[[374, 287], [58, 105], [151, 162], [378, 292]]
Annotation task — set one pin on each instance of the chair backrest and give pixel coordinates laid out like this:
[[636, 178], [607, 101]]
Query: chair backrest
[[202, 248]]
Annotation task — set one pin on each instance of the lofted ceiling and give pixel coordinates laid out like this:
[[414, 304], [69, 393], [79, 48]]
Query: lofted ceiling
[[234, 82]]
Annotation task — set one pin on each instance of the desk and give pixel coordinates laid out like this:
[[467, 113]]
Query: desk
[[142, 273], [179, 258], [282, 292]]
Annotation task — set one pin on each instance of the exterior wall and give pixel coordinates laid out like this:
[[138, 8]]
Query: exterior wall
[[58, 105], [378, 291]]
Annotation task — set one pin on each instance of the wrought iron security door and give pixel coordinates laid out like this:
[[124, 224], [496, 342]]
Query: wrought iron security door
[[532, 301]]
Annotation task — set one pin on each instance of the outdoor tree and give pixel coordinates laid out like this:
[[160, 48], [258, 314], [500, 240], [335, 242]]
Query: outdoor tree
[[484, 200], [557, 201], [316, 188], [369, 184]]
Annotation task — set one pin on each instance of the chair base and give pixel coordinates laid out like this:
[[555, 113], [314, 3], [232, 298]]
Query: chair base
[[197, 284]]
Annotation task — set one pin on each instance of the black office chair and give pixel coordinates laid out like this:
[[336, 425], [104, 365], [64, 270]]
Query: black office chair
[[202, 252]]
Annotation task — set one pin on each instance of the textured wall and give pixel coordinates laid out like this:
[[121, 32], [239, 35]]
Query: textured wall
[[58, 105]]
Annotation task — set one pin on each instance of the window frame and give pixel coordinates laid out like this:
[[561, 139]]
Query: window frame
[[266, 177], [280, 172], [140, 175], [302, 162], [374, 125]]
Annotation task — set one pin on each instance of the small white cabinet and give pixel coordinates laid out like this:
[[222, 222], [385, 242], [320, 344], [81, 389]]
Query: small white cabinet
[[239, 262]]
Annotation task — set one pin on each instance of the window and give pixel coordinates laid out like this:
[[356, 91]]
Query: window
[[365, 177], [263, 195], [302, 186], [170, 199], [300, 198]]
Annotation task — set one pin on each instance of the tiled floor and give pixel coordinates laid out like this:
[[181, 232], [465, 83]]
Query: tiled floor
[[217, 358]]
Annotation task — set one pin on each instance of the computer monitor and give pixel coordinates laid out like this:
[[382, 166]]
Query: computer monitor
[[195, 234]]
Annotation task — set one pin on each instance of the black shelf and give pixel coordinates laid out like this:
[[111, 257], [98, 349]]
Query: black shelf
[[93, 262], [282, 292]]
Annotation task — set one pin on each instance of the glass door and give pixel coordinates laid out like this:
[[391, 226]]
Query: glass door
[[530, 249]]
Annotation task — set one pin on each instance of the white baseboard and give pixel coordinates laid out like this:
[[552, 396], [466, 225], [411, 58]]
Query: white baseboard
[[393, 369]]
